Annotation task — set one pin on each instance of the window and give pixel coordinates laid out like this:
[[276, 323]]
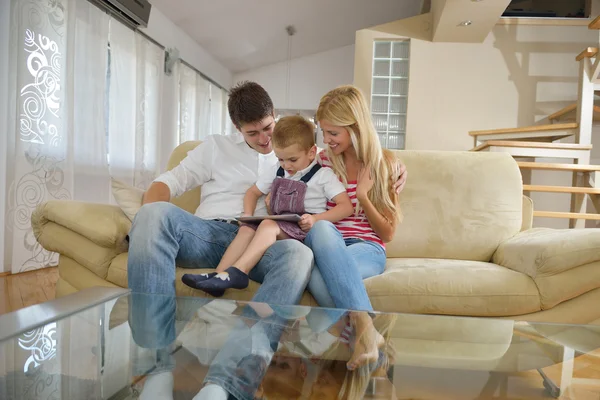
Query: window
[[389, 91]]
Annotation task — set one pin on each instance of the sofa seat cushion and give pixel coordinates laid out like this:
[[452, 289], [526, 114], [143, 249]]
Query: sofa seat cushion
[[117, 274], [452, 287]]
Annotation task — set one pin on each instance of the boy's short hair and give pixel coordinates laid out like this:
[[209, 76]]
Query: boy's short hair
[[248, 103], [292, 130]]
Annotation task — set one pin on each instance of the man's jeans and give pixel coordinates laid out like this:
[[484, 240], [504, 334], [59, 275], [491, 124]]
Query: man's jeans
[[163, 235]]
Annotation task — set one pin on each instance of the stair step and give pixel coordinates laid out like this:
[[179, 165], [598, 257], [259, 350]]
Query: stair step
[[595, 24], [587, 53], [560, 189], [553, 214], [559, 167], [533, 145], [527, 129]]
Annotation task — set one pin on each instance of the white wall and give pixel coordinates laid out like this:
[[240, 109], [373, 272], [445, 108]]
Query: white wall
[[164, 31], [310, 77], [4, 29], [517, 77]]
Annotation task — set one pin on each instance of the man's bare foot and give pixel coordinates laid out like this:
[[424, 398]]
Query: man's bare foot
[[367, 341]]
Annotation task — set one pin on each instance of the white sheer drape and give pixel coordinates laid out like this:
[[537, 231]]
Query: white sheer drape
[[228, 125], [194, 105], [216, 111], [79, 112], [135, 85], [55, 119]]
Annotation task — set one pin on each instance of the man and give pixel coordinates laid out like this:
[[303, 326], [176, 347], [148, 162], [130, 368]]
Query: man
[[163, 236]]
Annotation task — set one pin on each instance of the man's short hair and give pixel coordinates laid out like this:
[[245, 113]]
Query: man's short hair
[[248, 103], [292, 130]]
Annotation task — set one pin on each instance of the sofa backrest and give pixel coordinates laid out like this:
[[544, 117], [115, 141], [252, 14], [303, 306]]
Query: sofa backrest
[[456, 205], [190, 200]]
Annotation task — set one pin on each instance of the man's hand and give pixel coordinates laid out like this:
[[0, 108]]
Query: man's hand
[[157, 191], [399, 185], [364, 183], [306, 222]]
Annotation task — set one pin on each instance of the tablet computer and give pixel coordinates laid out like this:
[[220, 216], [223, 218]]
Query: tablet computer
[[257, 218]]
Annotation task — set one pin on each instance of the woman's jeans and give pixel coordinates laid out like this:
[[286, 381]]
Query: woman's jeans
[[340, 267], [163, 235]]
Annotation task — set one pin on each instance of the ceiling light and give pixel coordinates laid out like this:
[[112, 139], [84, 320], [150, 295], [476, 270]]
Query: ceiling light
[[465, 23], [476, 1]]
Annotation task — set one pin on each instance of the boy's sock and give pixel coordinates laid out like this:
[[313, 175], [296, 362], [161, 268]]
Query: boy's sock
[[231, 278], [192, 279]]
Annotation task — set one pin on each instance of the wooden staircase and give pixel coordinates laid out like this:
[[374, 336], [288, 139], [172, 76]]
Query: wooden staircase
[[574, 123]]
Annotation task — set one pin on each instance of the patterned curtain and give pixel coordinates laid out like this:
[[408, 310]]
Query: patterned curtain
[[43, 73], [85, 100]]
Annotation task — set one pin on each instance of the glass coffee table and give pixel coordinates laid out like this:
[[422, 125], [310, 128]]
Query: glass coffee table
[[105, 343]]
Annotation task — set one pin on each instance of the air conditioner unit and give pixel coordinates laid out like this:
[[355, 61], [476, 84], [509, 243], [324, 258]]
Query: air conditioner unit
[[132, 12]]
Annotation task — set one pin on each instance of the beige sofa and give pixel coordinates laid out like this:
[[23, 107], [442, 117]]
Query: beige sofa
[[465, 247]]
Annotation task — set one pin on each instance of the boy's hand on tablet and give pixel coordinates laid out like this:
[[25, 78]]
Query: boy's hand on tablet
[[306, 222]]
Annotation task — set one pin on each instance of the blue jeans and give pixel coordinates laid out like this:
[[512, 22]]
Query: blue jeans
[[341, 265], [162, 236]]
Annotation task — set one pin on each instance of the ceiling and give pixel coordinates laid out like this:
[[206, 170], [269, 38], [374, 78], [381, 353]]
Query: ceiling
[[247, 34]]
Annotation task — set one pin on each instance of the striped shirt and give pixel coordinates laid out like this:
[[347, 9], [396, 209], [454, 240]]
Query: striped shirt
[[356, 225]]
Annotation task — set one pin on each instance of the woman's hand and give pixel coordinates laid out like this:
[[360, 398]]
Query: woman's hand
[[306, 222], [364, 183], [399, 184], [268, 203]]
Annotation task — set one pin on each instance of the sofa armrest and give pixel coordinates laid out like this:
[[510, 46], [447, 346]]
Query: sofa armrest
[[105, 225], [544, 252]]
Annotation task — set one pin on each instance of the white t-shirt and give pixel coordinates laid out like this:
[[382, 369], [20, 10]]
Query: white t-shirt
[[323, 186]]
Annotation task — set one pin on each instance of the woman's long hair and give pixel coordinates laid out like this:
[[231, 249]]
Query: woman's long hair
[[346, 106]]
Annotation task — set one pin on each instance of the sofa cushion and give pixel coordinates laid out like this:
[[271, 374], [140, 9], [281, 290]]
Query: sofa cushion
[[117, 274], [452, 287], [457, 205]]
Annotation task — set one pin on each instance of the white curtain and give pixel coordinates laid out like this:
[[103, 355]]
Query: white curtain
[[228, 125], [55, 120], [194, 105], [79, 112], [216, 110], [135, 85]]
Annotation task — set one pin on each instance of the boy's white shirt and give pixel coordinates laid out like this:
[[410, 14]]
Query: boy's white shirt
[[226, 167], [323, 186]]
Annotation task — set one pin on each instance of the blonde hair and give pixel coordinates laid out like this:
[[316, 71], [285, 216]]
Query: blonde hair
[[294, 129], [346, 107]]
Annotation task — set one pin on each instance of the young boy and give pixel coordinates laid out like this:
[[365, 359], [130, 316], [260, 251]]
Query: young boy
[[299, 186]]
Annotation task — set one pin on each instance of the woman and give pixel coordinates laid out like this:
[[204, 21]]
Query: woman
[[353, 249]]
